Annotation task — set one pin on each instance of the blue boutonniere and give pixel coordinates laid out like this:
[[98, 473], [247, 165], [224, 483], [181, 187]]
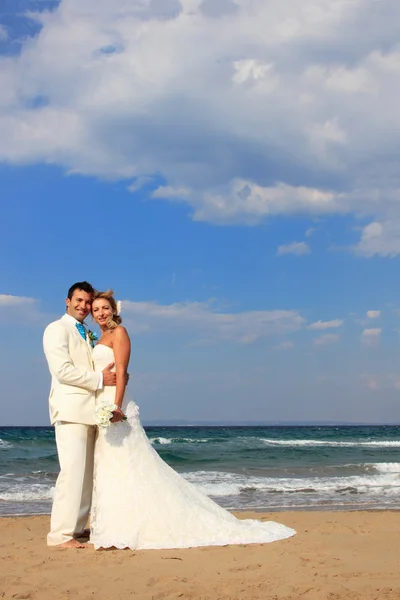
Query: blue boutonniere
[[93, 337]]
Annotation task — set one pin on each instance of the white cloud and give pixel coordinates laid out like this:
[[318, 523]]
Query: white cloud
[[245, 202], [8, 300], [327, 338], [371, 337], [394, 381], [139, 183], [19, 309], [373, 314], [207, 323], [297, 248], [257, 72], [380, 238], [287, 345], [371, 382], [3, 33], [231, 107], [326, 324]]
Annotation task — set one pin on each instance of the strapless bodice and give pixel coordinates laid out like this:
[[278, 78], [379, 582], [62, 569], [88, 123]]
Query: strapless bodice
[[102, 356]]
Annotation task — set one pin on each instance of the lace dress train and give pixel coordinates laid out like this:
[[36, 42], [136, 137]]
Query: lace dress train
[[139, 502]]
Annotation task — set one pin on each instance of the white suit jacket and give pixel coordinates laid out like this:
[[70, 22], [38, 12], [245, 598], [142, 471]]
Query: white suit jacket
[[74, 382]]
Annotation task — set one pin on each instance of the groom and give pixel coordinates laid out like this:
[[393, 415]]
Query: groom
[[72, 402]]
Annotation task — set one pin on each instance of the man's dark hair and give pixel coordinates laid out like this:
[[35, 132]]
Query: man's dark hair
[[81, 285]]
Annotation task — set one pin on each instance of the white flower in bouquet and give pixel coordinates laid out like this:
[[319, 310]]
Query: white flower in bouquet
[[103, 413]]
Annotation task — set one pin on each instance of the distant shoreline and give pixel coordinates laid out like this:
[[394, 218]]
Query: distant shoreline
[[235, 424]]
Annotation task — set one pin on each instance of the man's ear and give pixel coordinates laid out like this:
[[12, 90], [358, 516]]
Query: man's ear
[[67, 303]]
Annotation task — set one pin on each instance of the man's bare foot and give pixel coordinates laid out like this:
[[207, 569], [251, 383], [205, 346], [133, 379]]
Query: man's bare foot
[[72, 544]]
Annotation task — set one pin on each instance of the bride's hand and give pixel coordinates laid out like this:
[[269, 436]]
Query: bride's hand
[[118, 416]]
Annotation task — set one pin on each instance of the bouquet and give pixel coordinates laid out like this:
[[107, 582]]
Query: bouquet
[[103, 413]]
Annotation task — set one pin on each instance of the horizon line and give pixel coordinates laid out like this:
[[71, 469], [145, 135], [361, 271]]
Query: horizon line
[[187, 423]]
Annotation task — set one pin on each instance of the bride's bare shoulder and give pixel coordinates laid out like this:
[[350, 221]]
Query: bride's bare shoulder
[[121, 340], [120, 332]]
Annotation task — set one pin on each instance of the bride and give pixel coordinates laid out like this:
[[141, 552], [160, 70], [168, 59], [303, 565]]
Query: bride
[[139, 502]]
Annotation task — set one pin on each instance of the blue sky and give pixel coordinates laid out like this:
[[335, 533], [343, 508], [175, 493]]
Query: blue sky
[[231, 171]]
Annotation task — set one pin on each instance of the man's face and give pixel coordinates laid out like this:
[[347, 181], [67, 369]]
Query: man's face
[[79, 306]]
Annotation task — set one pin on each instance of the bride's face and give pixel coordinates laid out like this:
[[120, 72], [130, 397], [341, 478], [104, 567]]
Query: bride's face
[[101, 311]]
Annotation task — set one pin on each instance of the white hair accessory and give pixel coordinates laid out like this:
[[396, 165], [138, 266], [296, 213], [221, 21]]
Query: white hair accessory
[[119, 306]]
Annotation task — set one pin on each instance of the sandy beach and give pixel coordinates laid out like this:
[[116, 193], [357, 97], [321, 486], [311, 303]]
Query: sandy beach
[[335, 555]]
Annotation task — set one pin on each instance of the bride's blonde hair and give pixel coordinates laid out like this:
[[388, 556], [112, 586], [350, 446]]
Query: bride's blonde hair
[[109, 295]]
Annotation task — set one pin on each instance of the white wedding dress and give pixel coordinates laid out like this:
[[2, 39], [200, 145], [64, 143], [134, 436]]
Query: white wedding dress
[[139, 502]]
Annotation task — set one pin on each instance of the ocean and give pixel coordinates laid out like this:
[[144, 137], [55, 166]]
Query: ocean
[[256, 468]]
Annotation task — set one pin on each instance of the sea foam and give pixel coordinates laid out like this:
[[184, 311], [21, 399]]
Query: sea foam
[[331, 443]]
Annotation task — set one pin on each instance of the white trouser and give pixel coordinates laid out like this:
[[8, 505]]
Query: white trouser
[[73, 493]]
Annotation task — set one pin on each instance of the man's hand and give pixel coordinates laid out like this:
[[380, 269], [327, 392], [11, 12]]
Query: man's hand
[[109, 378], [118, 416]]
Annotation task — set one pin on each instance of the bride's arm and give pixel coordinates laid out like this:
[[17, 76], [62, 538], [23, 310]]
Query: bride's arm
[[122, 352]]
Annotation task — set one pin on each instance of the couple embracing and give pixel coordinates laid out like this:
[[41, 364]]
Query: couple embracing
[[113, 474]]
